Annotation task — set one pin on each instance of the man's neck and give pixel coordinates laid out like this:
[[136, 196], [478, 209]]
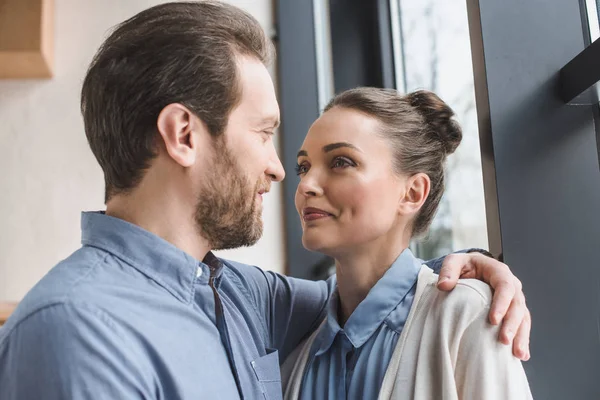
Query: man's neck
[[162, 216]]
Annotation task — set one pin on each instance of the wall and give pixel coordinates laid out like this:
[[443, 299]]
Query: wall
[[544, 156], [49, 175]]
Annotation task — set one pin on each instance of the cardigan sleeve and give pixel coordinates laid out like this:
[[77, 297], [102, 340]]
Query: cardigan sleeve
[[487, 369]]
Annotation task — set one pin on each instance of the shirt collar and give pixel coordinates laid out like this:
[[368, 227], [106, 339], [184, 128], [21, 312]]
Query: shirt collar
[[381, 300], [159, 260]]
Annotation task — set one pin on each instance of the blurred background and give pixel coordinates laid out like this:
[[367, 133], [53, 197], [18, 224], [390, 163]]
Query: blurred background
[[525, 182], [51, 175]]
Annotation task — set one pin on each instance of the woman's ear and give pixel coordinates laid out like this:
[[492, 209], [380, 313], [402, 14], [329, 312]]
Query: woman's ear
[[178, 128], [417, 190]]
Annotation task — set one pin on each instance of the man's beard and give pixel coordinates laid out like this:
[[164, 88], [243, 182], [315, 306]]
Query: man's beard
[[226, 212]]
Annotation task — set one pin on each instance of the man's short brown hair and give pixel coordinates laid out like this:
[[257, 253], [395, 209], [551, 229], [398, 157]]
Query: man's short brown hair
[[182, 52]]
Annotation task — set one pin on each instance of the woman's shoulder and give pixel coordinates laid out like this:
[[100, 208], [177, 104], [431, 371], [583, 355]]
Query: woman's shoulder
[[452, 329], [469, 297], [473, 290]]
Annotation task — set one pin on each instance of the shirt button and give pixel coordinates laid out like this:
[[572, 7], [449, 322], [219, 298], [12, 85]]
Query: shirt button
[[199, 272]]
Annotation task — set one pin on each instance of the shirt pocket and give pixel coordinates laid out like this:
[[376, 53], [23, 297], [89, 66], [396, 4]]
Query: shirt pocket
[[266, 369]]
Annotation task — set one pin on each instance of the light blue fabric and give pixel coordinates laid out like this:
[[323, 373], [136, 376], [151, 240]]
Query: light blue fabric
[[128, 316], [350, 363]]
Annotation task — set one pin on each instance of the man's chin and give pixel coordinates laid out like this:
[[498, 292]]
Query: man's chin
[[256, 236], [250, 240]]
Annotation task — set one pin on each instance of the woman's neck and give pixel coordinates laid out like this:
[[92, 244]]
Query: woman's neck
[[359, 270]]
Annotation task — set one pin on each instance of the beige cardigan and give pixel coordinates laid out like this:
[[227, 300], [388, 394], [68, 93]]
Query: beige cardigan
[[447, 350]]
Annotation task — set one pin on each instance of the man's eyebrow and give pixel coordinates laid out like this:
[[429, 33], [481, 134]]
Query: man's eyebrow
[[330, 147], [271, 121]]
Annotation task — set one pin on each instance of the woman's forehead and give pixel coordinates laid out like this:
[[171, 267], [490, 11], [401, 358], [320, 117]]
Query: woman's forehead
[[340, 124]]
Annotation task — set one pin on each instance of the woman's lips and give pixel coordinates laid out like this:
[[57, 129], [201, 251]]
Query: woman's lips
[[314, 214]]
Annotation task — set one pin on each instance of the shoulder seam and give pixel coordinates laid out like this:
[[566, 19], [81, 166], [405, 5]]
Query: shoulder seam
[[63, 300], [98, 312], [484, 297]]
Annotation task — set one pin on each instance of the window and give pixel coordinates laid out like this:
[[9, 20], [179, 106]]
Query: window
[[432, 51]]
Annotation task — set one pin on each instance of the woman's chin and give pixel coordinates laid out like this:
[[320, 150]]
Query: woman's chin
[[315, 243]]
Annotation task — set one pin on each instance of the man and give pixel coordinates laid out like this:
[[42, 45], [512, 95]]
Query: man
[[180, 111]]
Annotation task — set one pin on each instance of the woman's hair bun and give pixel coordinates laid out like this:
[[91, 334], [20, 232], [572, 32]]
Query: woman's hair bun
[[438, 117]]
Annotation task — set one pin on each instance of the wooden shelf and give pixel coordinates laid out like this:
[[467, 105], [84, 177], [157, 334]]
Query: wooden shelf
[[5, 310], [26, 39]]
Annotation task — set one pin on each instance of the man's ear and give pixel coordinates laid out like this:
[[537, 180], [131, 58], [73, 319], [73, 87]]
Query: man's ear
[[417, 190], [178, 128]]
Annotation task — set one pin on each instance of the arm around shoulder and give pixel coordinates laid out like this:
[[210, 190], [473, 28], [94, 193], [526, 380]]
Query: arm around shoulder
[[448, 349]]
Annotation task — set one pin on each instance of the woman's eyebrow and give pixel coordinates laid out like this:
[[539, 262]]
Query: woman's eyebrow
[[302, 153], [330, 147], [333, 146]]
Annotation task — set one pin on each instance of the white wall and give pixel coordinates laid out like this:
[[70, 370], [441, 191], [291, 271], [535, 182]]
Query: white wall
[[49, 175]]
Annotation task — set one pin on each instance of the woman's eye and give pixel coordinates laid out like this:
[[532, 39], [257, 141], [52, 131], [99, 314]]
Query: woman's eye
[[342, 162], [301, 169]]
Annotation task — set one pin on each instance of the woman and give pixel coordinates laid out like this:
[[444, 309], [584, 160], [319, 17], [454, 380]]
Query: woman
[[371, 178]]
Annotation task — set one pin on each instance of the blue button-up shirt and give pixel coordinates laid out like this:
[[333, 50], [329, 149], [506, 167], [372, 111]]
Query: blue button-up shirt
[[130, 316], [350, 362]]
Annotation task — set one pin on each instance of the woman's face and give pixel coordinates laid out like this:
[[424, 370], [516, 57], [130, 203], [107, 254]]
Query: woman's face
[[348, 194]]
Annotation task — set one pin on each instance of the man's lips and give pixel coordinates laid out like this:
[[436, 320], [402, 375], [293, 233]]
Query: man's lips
[[313, 214], [260, 193]]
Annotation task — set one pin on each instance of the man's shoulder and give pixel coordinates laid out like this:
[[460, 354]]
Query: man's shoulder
[[60, 287], [242, 269], [264, 285], [236, 265], [255, 277], [246, 279], [58, 322], [248, 276]]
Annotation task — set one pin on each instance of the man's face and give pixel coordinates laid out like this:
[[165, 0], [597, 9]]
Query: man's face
[[245, 162]]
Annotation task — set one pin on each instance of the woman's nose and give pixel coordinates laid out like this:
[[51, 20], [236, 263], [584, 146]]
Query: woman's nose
[[309, 185]]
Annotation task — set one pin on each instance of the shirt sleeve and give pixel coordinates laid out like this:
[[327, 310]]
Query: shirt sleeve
[[293, 308], [487, 369], [68, 352]]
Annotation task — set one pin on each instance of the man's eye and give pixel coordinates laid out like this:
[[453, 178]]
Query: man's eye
[[266, 135]]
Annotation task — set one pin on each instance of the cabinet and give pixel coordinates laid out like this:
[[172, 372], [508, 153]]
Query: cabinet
[[26, 39]]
